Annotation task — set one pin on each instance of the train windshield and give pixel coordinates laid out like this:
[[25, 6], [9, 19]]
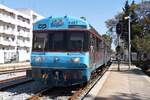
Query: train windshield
[[57, 41]]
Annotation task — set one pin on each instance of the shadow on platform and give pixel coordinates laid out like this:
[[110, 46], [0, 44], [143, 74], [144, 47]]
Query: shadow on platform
[[119, 96], [126, 70]]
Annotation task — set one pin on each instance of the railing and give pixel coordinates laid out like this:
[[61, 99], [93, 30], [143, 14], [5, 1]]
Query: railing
[[7, 19]]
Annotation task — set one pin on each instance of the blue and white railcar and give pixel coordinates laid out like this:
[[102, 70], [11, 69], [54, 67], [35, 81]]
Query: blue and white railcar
[[65, 51]]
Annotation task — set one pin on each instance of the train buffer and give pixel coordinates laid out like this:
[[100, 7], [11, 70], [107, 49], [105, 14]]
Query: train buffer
[[125, 84]]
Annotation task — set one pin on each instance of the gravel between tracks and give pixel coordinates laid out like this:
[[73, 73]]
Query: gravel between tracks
[[21, 92]]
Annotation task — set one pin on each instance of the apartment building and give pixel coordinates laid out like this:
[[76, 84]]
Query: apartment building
[[16, 33]]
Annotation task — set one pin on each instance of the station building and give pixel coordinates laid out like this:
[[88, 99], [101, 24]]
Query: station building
[[16, 33]]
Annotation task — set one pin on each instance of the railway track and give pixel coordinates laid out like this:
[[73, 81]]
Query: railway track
[[70, 93], [21, 91], [12, 82], [81, 93], [38, 94]]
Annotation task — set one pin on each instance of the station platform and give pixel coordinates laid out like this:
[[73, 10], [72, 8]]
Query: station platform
[[11, 75], [125, 84], [14, 66]]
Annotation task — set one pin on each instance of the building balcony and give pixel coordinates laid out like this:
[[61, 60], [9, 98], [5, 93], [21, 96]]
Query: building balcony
[[24, 34], [7, 19], [9, 32], [24, 24], [1, 31], [7, 43], [23, 44]]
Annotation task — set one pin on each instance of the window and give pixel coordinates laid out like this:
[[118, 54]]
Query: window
[[76, 41], [58, 41], [40, 40], [65, 40], [13, 38]]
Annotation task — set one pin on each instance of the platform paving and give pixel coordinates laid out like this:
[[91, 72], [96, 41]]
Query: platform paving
[[11, 75], [125, 84], [13, 67]]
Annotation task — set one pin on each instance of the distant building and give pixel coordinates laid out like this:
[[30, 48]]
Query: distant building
[[16, 33]]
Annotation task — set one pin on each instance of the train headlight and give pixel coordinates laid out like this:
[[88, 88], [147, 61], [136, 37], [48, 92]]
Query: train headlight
[[75, 59], [56, 59], [38, 59]]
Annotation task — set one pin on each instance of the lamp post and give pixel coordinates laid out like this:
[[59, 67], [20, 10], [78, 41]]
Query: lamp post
[[129, 39]]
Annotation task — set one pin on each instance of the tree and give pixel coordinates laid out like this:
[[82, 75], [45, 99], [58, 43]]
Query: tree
[[107, 39], [119, 49], [111, 25], [146, 24], [129, 10], [142, 45], [140, 25]]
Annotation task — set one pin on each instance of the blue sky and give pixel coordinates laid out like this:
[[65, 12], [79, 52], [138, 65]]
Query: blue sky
[[95, 11]]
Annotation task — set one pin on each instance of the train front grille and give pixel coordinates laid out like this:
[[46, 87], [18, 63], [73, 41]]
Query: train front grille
[[57, 74], [67, 75], [73, 74]]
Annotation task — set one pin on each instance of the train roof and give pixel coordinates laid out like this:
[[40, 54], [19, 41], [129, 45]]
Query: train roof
[[62, 23]]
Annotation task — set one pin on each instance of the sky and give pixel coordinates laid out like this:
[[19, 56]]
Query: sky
[[95, 11]]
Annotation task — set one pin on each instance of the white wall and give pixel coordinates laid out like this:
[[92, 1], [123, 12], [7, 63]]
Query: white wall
[[2, 56]]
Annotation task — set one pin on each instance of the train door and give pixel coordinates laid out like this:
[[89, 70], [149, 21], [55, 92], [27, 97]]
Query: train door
[[92, 50]]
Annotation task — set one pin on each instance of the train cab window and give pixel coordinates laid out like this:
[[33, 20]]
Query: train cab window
[[58, 41], [39, 41], [66, 40], [76, 41]]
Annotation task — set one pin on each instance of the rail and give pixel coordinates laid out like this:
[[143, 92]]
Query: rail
[[12, 82]]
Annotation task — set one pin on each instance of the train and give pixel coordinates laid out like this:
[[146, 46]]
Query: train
[[66, 50]]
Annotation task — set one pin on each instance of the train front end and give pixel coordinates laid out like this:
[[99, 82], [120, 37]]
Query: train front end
[[60, 69], [60, 55]]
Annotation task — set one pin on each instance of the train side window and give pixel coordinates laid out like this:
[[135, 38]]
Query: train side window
[[76, 41], [91, 40], [95, 47], [86, 41], [97, 44], [101, 44]]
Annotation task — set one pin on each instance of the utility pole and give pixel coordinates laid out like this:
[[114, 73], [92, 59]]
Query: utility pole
[[118, 55], [129, 40]]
